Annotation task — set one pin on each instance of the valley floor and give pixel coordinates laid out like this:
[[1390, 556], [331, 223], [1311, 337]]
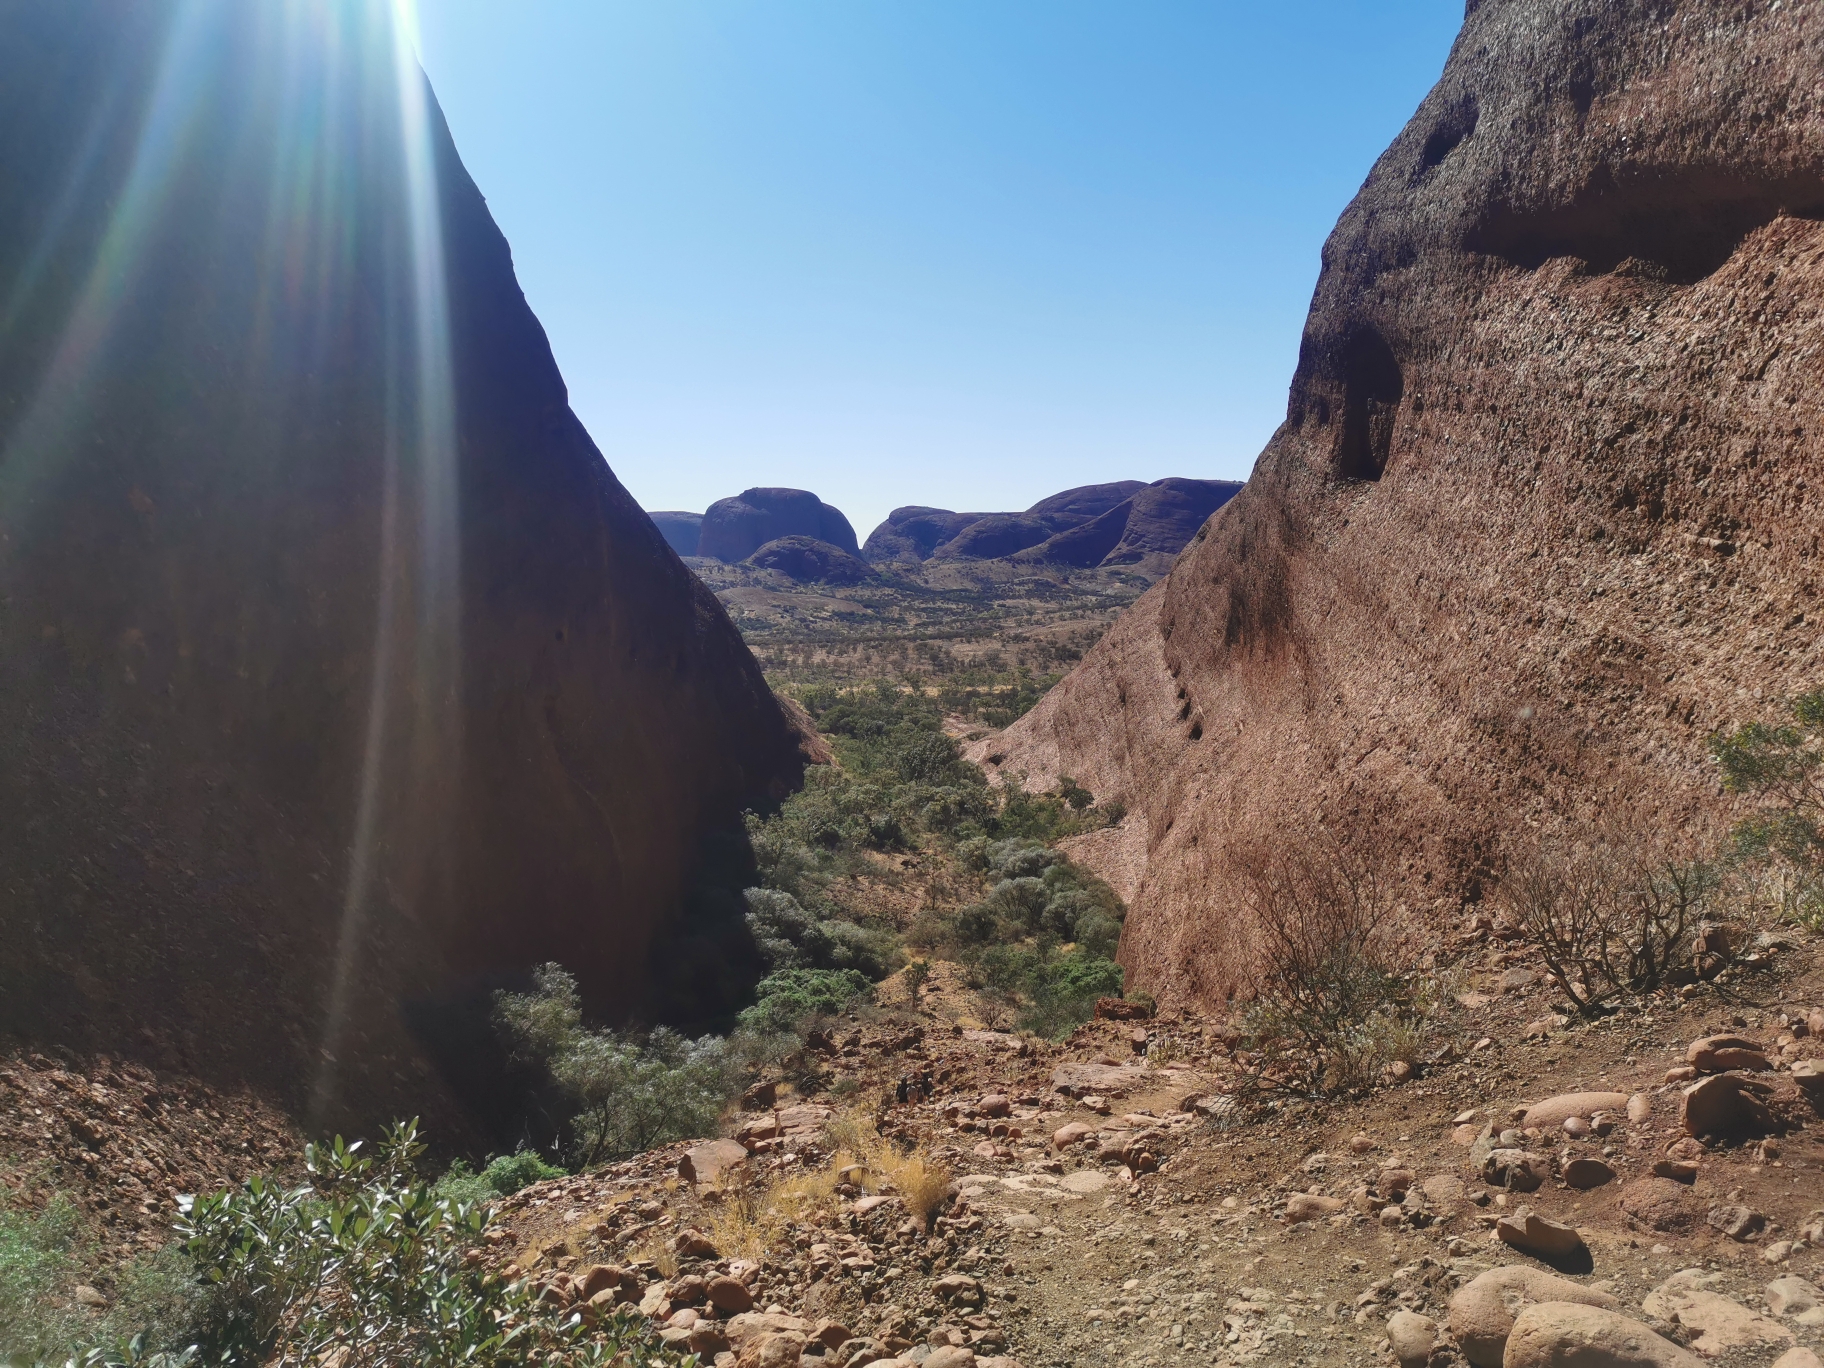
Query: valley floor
[[1167, 1227]]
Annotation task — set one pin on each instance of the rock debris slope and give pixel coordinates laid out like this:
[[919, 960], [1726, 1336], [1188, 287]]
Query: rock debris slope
[[1545, 508], [340, 678]]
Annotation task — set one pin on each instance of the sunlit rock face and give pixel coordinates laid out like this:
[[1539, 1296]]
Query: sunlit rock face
[[1544, 511], [340, 680]]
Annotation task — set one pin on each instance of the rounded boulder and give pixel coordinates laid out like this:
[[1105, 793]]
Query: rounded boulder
[[1411, 1337], [1572, 1335], [1554, 1111], [1482, 1313]]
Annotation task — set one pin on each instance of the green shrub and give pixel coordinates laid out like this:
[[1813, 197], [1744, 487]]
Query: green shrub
[[1782, 845], [786, 998], [790, 937], [365, 1264], [626, 1094], [1019, 858], [505, 1175], [1064, 990]]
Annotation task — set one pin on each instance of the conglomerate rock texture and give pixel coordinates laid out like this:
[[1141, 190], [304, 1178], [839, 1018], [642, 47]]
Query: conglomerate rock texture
[[340, 679], [1546, 506]]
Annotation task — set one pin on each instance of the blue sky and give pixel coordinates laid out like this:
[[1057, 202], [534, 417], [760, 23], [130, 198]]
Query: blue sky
[[952, 252]]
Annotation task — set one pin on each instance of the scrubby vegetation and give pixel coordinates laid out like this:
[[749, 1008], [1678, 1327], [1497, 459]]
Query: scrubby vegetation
[[626, 1092], [755, 1211], [156, 1299], [1781, 846], [1615, 912], [1042, 936], [1334, 1000], [1611, 918], [503, 1176], [363, 1263]]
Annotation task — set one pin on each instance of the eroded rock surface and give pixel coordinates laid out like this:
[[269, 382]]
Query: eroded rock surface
[[1543, 512]]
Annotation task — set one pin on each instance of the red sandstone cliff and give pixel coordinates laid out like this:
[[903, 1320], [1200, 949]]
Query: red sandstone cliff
[[340, 679], [1546, 505]]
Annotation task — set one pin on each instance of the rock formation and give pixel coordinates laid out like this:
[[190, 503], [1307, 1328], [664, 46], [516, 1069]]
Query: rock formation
[[682, 531], [994, 536], [1123, 523], [914, 533], [340, 678], [810, 561], [1545, 507], [733, 529], [1074, 507], [1150, 528]]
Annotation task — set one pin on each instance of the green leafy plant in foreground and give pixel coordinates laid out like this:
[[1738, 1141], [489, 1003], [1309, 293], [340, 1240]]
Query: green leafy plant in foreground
[[365, 1264]]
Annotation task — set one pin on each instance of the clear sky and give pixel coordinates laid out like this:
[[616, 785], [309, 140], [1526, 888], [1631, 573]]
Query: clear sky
[[953, 252]]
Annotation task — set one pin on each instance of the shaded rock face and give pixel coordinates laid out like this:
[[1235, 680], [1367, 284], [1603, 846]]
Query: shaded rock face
[[1544, 510], [341, 679], [682, 531], [810, 561], [733, 529]]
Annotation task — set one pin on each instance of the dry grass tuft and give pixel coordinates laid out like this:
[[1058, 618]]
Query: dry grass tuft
[[662, 1256], [754, 1212]]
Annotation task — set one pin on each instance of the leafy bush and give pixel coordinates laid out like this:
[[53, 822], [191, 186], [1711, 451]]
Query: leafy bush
[[626, 1094], [1042, 897], [789, 937], [365, 1264], [1019, 858], [1782, 764], [1064, 990], [505, 1175], [786, 998]]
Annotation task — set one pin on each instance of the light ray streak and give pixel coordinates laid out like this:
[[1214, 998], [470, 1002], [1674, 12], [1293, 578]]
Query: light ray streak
[[426, 428], [33, 448]]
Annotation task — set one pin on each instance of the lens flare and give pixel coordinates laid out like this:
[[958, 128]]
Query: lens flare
[[43, 433], [421, 456]]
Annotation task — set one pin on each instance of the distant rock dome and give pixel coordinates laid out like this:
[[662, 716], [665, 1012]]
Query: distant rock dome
[[810, 561], [681, 531], [733, 529]]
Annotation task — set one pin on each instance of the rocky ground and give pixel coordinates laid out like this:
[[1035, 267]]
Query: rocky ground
[[1121, 1199], [123, 1142]]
